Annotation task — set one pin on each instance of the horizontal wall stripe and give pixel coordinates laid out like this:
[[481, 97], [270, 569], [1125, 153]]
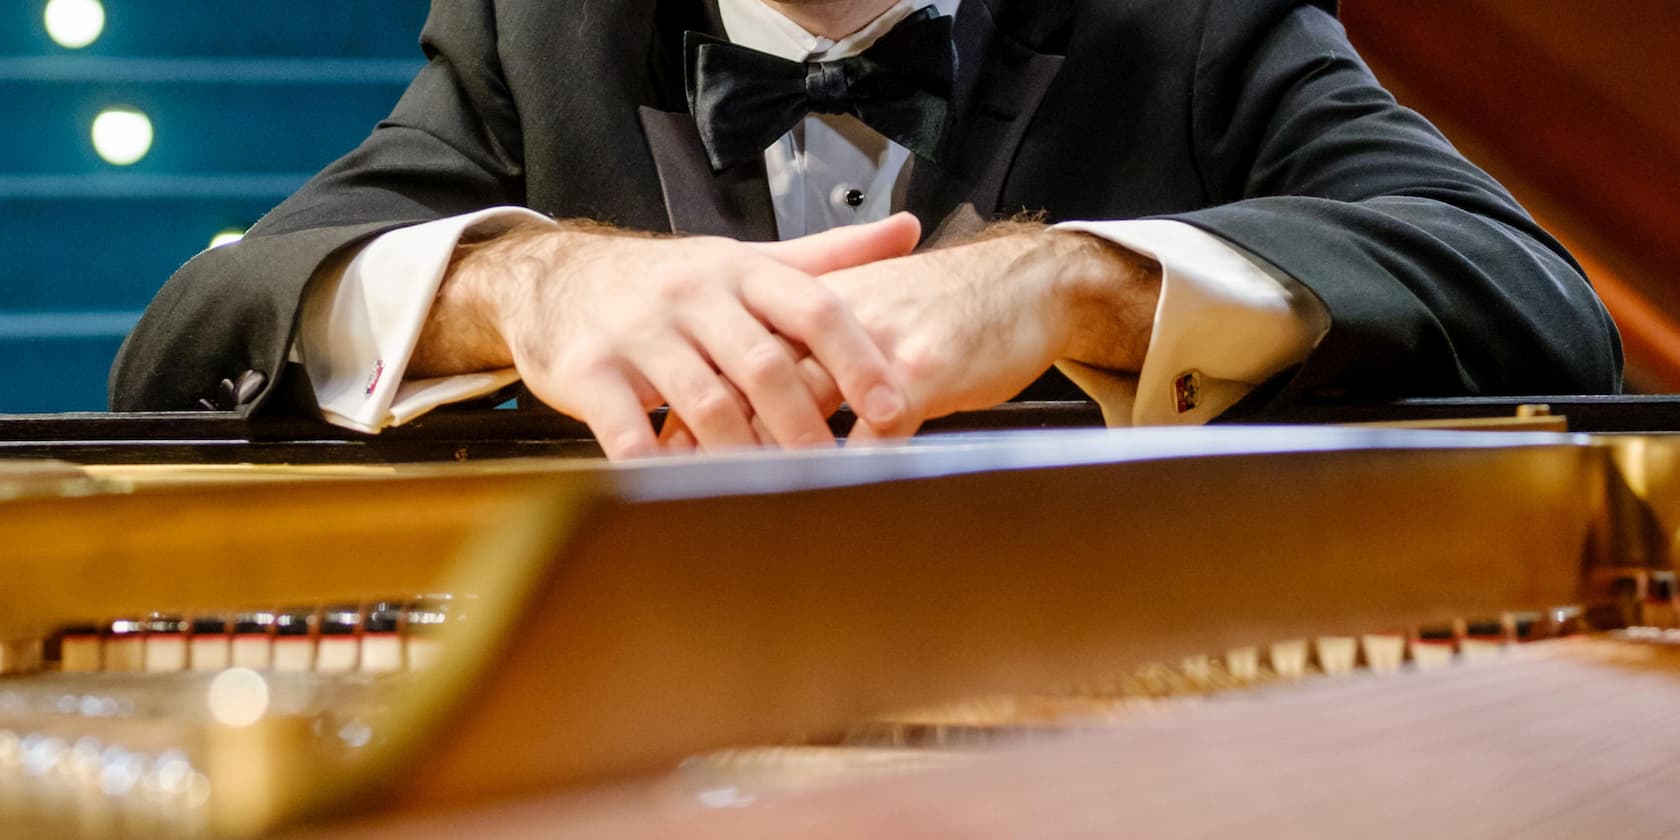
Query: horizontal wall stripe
[[37, 325], [119, 185], [314, 71]]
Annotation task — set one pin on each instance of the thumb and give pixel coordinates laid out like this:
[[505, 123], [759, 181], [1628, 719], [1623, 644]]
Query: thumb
[[846, 247], [863, 434]]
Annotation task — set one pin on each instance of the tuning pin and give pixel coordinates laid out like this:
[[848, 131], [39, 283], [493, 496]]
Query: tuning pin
[[1336, 654], [382, 648], [1620, 597], [1243, 663], [423, 628], [1484, 638], [294, 639], [1660, 607], [1289, 659], [1384, 653], [1434, 646], [340, 647], [21, 657], [1567, 620], [253, 642], [211, 646], [165, 643], [125, 646], [79, 649], [1529, 627]]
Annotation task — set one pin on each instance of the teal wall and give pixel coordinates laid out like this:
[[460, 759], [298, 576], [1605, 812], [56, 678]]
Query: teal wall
[[246, 99]]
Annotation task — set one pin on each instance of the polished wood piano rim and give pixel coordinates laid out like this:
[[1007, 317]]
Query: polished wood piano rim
[[878, 581]]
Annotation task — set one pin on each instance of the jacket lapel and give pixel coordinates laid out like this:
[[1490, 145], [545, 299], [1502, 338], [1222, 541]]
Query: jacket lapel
[[1000, 83], [733, 203]]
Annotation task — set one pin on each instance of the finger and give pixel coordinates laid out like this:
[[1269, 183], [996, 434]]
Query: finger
[[763, 372], [816, 378], [695, 392], [846, 247], [619, 422], [808, 312], [674, 436], [761, 431], [821, 386], [863, 434], [794, 348]]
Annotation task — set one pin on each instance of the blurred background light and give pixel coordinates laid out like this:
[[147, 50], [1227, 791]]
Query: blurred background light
[[74, 24], [242, 103], [122, 135], [238, 697], [227, 237]]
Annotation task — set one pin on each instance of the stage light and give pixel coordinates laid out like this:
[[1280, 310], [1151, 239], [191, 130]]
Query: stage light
[[74, 23], [227, 237], [122, 135]]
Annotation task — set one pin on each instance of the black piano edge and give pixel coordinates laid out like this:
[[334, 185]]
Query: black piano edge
[[218, 437]]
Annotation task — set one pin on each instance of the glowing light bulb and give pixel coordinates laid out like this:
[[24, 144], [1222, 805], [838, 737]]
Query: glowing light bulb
[[74, 24], [122, 135], [226, 237]]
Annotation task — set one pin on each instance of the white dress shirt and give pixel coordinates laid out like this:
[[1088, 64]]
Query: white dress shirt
[[1226, 321]]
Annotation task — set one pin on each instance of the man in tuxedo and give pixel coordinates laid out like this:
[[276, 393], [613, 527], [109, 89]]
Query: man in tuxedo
[[1247, 220]]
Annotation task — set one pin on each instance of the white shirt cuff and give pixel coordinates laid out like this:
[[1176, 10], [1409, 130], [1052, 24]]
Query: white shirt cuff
[[1226, 322], [361, 319]]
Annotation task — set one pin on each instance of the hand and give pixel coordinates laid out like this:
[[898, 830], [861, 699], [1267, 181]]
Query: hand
[[605, 326], [968, 327]]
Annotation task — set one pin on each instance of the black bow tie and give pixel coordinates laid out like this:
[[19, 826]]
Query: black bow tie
[[742, 99]]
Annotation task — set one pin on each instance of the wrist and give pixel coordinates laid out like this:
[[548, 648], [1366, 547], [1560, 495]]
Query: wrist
[[471, 326], [1105, 297]]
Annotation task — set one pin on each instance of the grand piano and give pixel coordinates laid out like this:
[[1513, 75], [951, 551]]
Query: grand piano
[[1016, 626]]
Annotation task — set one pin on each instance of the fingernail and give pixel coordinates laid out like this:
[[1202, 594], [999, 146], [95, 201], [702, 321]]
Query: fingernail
[[814, 440], [883, 405]]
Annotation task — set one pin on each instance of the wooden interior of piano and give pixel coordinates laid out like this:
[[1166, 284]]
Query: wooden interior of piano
[[197, 651]]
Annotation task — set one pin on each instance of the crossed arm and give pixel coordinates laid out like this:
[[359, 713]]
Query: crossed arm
[[758, 343]]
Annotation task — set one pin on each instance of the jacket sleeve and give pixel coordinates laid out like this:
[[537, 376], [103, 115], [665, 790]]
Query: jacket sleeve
[[1436, 281], [450, 146]]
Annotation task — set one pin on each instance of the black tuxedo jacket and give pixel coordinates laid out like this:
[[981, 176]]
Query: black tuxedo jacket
[[1252, 119]]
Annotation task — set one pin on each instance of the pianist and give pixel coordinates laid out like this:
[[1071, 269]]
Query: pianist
[[1238, 218]]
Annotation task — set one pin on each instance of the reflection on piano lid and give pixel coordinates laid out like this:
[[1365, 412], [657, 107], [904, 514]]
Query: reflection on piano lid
[[624, 619], [201, 437]]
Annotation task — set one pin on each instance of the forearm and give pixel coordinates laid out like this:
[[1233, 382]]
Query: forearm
[[489, 278]]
